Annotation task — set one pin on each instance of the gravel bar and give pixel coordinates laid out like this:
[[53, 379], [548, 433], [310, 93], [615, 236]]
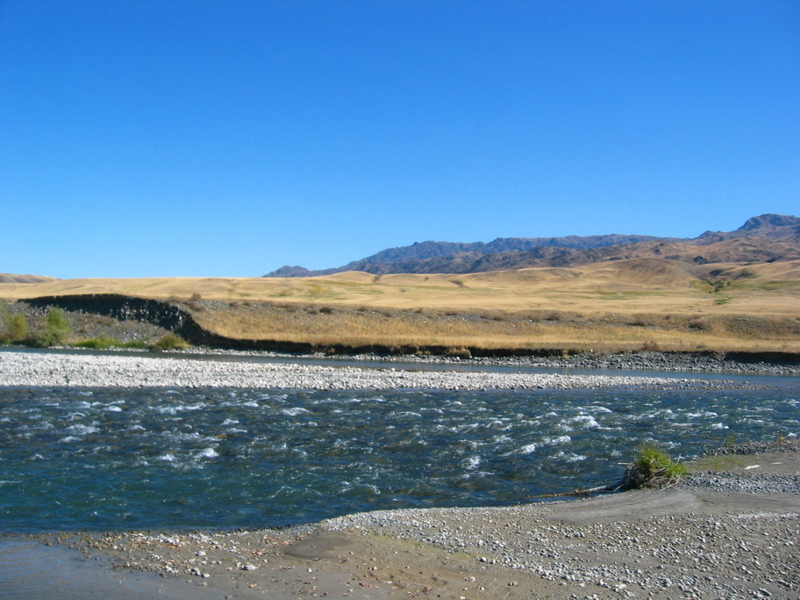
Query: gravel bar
[[37, 369], [727, 536]]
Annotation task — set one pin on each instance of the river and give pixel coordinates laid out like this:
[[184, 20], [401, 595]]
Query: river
[[178, 458]]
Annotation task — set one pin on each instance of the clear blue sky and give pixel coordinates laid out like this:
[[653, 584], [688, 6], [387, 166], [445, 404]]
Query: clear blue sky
[[227, 138]]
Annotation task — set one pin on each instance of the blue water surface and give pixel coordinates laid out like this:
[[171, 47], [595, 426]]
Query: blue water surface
[[99, 459]]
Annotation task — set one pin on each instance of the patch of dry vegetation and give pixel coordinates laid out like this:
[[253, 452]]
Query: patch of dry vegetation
[[613, 305], [354, 326]]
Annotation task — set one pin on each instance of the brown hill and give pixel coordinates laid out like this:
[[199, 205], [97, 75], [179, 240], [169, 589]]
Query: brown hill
[[9, 278]]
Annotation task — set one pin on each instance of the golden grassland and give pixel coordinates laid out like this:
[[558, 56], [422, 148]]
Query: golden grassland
[[614, 305]]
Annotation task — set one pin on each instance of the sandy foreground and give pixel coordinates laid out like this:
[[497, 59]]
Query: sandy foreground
[[734, 534]]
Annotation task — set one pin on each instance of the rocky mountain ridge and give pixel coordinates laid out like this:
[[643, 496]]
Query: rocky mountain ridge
[[766, 238]]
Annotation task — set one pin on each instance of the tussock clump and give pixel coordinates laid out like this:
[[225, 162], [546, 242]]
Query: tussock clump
[[652, 468], [170, 342]]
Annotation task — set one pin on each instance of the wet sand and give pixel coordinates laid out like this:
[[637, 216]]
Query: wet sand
[[690, 541]]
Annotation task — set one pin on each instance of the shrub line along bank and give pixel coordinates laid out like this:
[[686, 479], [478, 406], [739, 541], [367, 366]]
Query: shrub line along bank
[[172, 317]]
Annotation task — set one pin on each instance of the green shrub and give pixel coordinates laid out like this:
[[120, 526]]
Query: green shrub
[[652, 468], [56, 329], [170, 342], [17, 327]]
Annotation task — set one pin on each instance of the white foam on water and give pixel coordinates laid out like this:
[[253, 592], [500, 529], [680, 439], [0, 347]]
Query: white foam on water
[[472, 463], [82, 429], [174, 409], [502, 439], [587, 421], [169, 457], [719, 426], [294, 412], [527, 449], [571, 456], [704, 413], [181, 436], [562, 439], [207, 453], [664, 412]]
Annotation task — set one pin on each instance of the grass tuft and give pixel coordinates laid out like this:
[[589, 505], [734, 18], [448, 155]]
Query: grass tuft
[[652, 468], [105, 342], [170, 342]]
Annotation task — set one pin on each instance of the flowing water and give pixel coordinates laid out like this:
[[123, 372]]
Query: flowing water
[[97, 459]]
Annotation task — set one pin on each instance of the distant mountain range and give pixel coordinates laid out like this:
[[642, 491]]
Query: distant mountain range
[[767, 238]]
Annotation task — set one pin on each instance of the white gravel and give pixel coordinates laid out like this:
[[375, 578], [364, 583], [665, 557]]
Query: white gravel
[[35, 369]]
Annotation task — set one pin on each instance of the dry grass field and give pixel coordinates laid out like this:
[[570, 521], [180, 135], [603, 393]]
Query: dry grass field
[[607, 306]]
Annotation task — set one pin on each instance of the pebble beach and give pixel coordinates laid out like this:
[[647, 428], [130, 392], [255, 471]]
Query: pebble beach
[[117, 370]]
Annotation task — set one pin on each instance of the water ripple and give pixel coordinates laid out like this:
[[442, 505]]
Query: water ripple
[[183, 458]]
